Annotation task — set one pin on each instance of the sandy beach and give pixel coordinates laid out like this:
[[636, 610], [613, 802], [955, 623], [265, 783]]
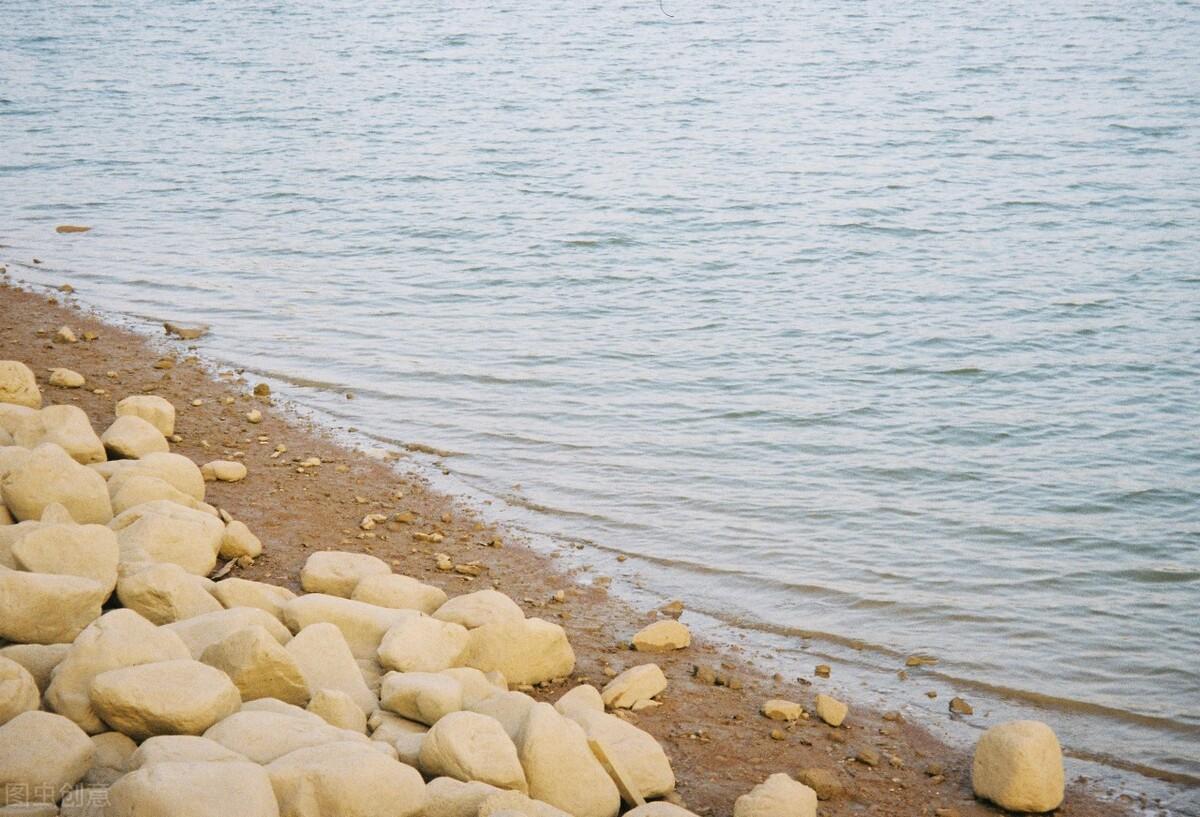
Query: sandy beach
[[719, 744]]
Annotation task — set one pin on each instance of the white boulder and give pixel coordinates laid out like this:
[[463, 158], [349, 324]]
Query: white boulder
[[324, 658], [164, 593], [194, 790], [18, 691], [345, 779], [65, 426], [235, 592], [473, 610], [423, 644], [223, 471], [180, 749], [183, 697], [363, 625], [155, 410], [264, 736], [528, 651], [662, 636], [201, 632], [777, 796], [421, 696], [18, 386], [44, 608], [1018, 766], [633, 686], [400, 592], [560, 767], [336, 573], [49, 475], [42, 756], [86, 551], [131, 437], [469, 746], [259, 666]]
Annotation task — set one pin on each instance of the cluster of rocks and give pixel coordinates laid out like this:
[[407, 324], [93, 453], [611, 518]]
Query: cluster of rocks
[[133, 684]]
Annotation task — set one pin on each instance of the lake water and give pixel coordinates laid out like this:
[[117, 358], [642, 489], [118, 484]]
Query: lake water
[[871, 323]]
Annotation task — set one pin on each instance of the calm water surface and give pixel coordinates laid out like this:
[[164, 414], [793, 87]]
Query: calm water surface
[[878, 321]]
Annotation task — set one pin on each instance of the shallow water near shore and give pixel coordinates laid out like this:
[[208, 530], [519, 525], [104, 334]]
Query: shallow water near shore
[[872, 330]]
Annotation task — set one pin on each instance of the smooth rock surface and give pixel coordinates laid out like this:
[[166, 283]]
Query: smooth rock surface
[[169, 532], [469, 746], [181, 749], [349, 779], [830, 710], [421, 696], [473, 610], [338, 709], [66, 426], [38, 659], [634, 685], [237, 592], [325, 661], [44, 608], [18, 690], [42, 755], [400, 592], [264, 736], [336, 573], [663, 636], [201, 632], [113, 751], [638, 753], [223, 471], [183, 697], [86, 551], [1018, 766], [423, 644], [155, 410], [239, 541], [259, 666], [194, 790], [164, 593], [777, 796], [49, 475], [18, 386], [560, 768], [362, 624], [527, 651]]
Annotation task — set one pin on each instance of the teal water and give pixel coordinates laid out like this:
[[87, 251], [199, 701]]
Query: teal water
[[876, 322]]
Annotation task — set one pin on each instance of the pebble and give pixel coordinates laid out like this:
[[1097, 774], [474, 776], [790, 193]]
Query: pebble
[[66, 378], [778, 734], [71, 228], [65, 335], [822, 671], [959, 706], [823, 781], [920, 661], [867, 756], [262, 390], [186, 331], [254, 416]]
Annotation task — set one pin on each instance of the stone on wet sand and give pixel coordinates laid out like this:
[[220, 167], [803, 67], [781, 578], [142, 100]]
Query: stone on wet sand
[[201, 632], [824, 782], [113, 751], [44, 608], [421, 696], [830, 710], [181, 749], [338, 709], [400, 592], [337, 573], [362, 624], [259, 666], [65, 426], [633, 686], [42, 755], [18, 690], [1018, 766], [38, 659], [66, 378], [184, 330], [164, 593], [18, 386], [223, 471], [194, 790], [423, 644], [237, 592], [239, 542], [482, 607], [86, 551], [662, 636], [635, 750], [325, 661], [169, 532], [264, 736], [779, 710], [526, 651], [131, 437], [345, 778], [777, 796], [183, 697], [49, 475], [470, 746], [560, 768], [155, 410]]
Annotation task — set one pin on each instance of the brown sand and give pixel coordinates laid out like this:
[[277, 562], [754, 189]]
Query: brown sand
[[719, 744]]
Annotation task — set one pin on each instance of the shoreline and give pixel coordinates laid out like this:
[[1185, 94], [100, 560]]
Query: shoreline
[[718, 743]]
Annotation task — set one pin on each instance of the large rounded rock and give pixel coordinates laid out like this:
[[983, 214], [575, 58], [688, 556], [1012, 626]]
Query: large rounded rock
[[515, 804], [662, 636], [38, 659], [583, 697], [363, 625], [164, 593], [49, 475], [265, 736], [400, 592], [131, 437], [201, 632], [528, 651], [129, 488], [325, 661], [237, 592], [18, 385], [633, 686], [423, 644], [338, 709], [174, 469], [18, 691], [1018, 766], [181, 749], [194, 790], [473, 610], [560, 767], [87, 551], [476, 685], [259, 666], [43, 608], [469, 746], [421, 696], [120, 638], [223, 471], [169, 532], [42, 756], [448, 797], [153, 409], [777, 796], [345, 778], [240, 541], [336, 573], [182, 697], [65, 426], [509, 709], [635, 751]]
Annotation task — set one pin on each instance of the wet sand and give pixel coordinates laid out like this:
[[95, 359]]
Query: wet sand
[[719, 744]]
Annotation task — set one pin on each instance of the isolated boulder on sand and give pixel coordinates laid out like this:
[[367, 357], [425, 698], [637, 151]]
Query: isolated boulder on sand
[[469, 746], [633, 686], [1018, 766], [42, 756], [560, 767], [194, 790], [259, 666], [482, 607], [830, 710], [336, 573], [662, 636], [18, 691], [131, 437], [345, 778], [155, 410], [325, 661], [49, 475], [182, 697], [164, 593], [528, 651], [18, 385], [223, 471], [65, 426], [66, 378], [44, 608], [777, 796], [400, 592]]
